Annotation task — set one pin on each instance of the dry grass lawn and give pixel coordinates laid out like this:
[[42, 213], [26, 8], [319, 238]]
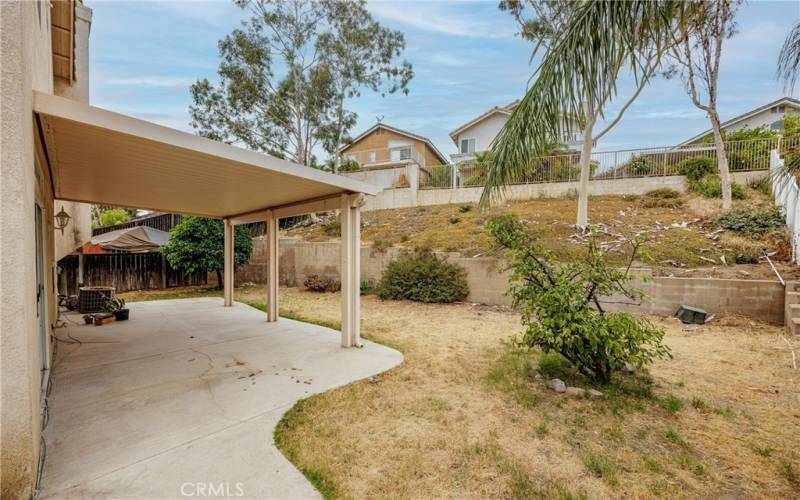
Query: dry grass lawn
[[462, 418]]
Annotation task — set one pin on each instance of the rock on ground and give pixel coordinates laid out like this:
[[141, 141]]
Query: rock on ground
[[557, 385], [576, 391]]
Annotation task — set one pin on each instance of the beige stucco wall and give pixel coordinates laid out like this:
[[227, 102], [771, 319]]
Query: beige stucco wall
[[25, 65]]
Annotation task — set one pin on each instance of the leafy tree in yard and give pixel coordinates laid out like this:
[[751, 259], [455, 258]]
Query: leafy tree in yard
[[561, 308], [697, 55], [114, 216], [98, 210], [284, 76], [198, 244], [360, 54]]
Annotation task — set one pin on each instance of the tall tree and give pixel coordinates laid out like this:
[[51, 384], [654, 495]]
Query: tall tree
[[279, 114], [285, 74], [361, 54], [542, 22], [697, 54]]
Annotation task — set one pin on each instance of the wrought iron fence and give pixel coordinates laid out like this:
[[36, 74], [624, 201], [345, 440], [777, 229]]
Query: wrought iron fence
[[623, 164]]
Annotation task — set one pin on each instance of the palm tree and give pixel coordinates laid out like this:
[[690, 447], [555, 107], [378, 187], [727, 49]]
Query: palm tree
[[788, 70], [577, 77], [789, 59]]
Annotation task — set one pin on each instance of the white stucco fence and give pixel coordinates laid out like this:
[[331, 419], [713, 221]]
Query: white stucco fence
[[786, 193], [409, 197]]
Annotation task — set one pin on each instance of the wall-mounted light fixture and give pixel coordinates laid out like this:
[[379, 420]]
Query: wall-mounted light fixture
[[62, 219]]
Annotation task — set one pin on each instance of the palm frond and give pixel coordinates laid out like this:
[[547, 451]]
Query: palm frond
[[789, 60], [583, 62]]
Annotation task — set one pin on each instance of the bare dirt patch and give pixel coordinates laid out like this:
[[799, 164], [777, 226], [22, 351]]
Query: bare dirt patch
[[463, 418]]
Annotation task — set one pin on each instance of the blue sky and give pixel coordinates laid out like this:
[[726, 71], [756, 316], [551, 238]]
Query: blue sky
[[466, 58]]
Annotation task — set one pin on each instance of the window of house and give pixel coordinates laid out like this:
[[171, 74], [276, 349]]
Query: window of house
[[405, 153], [372, 156], [467, 146]]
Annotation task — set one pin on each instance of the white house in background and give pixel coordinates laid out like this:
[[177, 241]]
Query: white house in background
[[769, 115], [478, 134]]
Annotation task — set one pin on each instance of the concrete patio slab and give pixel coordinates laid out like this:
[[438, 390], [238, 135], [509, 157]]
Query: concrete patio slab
[[182, 400]]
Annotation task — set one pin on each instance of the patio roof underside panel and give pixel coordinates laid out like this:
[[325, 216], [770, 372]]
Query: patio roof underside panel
[[97, 156]]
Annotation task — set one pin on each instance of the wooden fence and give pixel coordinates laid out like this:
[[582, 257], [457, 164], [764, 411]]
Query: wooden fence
[[124, 271]]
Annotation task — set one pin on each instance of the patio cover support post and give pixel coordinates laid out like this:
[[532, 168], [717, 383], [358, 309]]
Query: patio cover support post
[[227, 268], [272, 266], [351, 269]]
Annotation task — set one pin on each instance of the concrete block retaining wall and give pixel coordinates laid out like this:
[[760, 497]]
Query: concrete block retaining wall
[[759, 299]]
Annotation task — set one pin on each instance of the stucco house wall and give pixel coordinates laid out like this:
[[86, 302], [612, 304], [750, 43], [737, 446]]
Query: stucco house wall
[[25, 66], [767, 118], [379, 140], [483, 132]]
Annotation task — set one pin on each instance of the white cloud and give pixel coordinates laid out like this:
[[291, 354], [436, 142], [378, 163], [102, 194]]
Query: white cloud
[[672, 113], [444, 59], [448, 18], [151, 81]]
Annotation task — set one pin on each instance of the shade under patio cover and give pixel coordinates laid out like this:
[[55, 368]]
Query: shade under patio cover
[[98, 156], [132, 239]]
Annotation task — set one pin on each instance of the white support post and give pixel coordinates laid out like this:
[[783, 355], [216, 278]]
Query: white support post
[[351, 269], [272, 266], [227, 268]]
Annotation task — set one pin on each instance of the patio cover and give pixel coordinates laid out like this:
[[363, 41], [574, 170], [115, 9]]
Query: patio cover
[[132, 239], [97, 156]]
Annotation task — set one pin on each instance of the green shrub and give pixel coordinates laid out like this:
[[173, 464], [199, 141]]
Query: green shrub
[[367, 286], [561, 309], [114, 216], [423, 277], [754, 223], [317, 283], [710, 186], [641, 165], [697, 168], [661, 198], [761, 184], [475, 180], [663, 193]]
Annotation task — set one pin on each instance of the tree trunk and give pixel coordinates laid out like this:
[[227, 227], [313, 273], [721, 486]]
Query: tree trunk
[[339, 125], [219, 279], [586, 164], [722, 161]]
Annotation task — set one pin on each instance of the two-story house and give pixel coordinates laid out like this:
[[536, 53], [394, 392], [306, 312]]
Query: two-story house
[[383, 146], [768, 116], [478, 134]]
